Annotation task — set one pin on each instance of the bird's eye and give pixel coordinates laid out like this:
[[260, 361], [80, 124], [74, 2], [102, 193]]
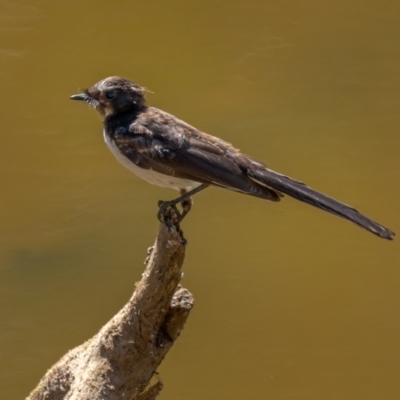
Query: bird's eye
[[111, 94]]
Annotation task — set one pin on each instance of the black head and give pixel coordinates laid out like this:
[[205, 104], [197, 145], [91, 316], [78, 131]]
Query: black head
[[114, 95]]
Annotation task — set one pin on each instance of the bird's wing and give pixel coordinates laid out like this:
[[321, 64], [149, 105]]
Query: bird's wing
[[190, 157]]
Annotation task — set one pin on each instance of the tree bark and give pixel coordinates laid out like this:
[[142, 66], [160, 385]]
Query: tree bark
[[119, 361]]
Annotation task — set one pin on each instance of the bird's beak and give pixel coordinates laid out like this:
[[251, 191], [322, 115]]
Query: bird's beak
[[85, 97], [80, 96]]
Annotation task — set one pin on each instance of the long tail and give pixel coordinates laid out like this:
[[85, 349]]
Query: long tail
[[301, 192]]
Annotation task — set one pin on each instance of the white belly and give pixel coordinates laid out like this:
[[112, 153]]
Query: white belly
[[153, 177]]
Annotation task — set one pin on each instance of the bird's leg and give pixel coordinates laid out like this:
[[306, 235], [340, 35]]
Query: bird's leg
[[184, 199]]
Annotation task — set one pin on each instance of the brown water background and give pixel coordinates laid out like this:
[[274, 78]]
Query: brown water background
[[291, 303]]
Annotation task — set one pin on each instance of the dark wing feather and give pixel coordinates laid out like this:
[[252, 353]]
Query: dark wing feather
[[189, 157]]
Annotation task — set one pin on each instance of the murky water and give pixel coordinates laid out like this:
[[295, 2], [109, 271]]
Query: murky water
[[290, 302]]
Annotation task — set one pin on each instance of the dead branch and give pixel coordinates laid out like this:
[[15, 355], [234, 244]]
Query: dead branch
[[119, 361]]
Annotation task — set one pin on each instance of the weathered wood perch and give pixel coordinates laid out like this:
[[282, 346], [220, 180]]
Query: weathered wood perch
[[119, 361]]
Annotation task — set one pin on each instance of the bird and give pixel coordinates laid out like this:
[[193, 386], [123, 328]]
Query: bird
[[166, 151]]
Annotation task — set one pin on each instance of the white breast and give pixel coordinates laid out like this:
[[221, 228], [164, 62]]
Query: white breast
[[149, 175]]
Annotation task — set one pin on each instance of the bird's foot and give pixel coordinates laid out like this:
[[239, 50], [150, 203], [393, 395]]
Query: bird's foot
[[186, 206], [168, 213]]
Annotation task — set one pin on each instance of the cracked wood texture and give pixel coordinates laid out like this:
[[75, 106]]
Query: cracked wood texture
[[119, 361]]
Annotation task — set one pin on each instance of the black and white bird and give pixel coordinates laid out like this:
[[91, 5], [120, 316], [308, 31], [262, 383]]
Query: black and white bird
[[168, 152]]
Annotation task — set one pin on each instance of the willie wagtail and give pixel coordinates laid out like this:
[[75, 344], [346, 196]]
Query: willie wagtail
[[168, 152]]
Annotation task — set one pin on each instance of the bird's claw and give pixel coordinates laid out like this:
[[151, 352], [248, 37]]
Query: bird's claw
[[168, 213]]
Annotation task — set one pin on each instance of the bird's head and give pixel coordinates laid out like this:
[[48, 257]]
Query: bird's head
[[114, 95]]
